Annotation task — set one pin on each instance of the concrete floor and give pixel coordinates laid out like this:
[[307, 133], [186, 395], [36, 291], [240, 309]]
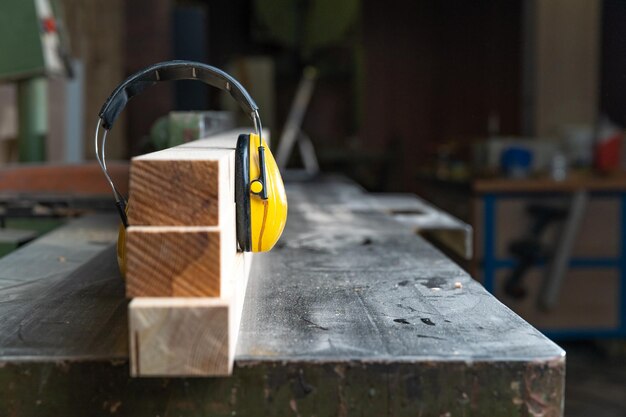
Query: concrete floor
[[596, 379]]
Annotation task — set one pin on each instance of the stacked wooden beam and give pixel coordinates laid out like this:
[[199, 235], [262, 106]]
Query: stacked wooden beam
[[184, 272]]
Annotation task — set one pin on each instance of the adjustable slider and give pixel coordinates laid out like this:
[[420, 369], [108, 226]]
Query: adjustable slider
[[121, 209], [257, 187]]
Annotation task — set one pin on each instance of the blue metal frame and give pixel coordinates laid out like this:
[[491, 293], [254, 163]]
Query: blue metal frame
[[491, 264]]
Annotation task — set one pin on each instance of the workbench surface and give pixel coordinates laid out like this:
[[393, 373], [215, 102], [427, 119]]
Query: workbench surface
[[352, 313]]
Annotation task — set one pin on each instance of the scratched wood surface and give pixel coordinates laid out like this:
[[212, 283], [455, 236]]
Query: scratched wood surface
[[61, 296], [352, 314], [360, 286]]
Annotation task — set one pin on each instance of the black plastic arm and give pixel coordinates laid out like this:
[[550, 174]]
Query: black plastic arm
[[173, 70]]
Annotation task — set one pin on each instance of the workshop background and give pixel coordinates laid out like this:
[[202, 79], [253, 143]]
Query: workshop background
[[509, 114]]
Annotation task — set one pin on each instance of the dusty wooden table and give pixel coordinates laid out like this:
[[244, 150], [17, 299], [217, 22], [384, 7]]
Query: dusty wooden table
[[352, 314]]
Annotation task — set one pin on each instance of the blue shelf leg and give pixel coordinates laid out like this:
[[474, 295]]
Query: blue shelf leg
[[489, 222]]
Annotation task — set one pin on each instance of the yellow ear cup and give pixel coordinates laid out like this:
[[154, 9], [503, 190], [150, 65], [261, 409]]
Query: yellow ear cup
[[267, 217]]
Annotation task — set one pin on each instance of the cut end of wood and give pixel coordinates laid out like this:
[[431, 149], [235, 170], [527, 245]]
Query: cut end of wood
[[174, 193], [175, 336], [181, 192], [173, 261], [179, 337]]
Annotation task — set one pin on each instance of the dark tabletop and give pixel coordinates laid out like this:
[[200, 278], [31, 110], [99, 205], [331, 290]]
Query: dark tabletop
[[347, 285], [352, 314], [341, 285]]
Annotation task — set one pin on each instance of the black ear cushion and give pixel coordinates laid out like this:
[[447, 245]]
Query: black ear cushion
[[242, 193]]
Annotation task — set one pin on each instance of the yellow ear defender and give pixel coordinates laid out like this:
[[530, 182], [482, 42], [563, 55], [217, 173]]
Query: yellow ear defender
[[261, 202]]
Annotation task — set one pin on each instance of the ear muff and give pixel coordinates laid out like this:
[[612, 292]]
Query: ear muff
[[242, 193], [260, 198]]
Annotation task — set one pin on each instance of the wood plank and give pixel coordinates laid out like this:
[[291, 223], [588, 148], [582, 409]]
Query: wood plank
[[182, 238], [179, 187], [180, 261], [62, 297], [345, 286], [267, 388], [173, 261], [188, 185], [16, 236], [182, 243], [86, 178], [188, 337], [321, 333], [439, 227]]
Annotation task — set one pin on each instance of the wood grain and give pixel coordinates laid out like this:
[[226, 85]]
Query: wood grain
[[188, 185], [179, 261], [188, 337], [325, 316], [170, 336], [182, 234], [85, 179], [360, 286], [62, 297], [181, 187]]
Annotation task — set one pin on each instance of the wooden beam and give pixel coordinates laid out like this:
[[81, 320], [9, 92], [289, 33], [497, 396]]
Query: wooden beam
[[188, 185], [327, 325], [188, 336], [182, 234], [64, 293], [178, 262], [84, 179], [175, 261], [182, 186], [182, 260]]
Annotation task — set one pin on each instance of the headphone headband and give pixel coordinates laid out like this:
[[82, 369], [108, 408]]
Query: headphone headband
[[171, 71], [165, 71]]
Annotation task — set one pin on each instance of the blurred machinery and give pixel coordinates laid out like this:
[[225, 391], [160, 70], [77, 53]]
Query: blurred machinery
[[33, 46], [293, 133]]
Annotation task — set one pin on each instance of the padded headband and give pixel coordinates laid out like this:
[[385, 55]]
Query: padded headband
[[171, 71]]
